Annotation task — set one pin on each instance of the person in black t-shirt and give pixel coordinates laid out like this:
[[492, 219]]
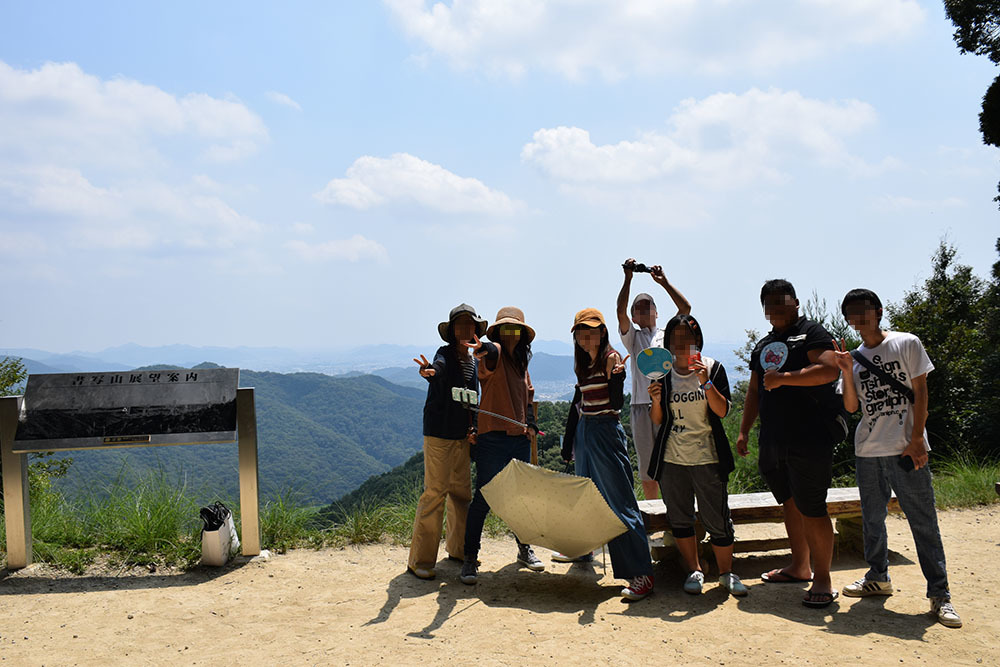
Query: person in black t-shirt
[[791, 388]]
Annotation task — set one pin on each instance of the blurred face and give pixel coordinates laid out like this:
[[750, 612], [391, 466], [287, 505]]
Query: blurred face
[[644, 314], [863, 316], [683, 346], [588, 338], [781, 310], [510, 334], [464, 328]]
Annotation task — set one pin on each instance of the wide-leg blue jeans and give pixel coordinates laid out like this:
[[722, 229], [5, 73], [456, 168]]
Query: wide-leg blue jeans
[[602, 455]]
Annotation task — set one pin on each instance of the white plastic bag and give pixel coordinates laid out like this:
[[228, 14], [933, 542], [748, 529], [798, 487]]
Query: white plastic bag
[[219, 545]]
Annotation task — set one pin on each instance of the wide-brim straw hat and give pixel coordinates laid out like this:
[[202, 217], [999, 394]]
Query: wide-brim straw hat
[[509, 315], [588, 317], [462, 309]]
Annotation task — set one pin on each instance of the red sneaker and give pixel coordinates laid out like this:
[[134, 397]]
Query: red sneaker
[[638, 588]]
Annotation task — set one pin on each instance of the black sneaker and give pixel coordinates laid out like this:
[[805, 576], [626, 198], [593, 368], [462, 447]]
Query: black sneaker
[[470, 571], [526, 557]]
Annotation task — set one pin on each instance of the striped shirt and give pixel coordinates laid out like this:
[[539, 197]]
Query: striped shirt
[[595, 396]]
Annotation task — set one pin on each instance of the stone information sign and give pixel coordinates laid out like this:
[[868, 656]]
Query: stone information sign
[[63, 411]]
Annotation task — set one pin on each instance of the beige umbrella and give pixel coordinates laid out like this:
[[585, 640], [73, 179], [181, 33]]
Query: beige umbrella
[[562, 512]]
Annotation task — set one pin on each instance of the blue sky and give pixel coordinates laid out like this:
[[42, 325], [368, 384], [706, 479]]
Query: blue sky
[[328, 174]]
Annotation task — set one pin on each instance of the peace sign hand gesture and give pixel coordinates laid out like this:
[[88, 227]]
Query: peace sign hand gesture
[[476, 346], [426, 370], [845, 362], [620, 366]]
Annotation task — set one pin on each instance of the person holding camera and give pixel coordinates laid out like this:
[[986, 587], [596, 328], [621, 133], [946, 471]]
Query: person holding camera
[[636, 339], [886, 378]]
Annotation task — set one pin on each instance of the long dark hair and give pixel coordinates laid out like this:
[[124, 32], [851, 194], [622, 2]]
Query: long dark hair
[[521, 354], [582, 364]]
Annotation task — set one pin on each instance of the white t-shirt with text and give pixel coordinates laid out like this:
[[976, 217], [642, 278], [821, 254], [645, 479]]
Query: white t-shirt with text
[[690, 441], [887, 416]]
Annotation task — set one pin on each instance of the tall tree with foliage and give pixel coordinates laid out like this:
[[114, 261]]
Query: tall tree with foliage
[[948, 313], [977, 30]]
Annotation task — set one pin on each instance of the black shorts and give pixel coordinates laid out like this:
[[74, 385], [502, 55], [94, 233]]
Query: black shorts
[[804, 478]]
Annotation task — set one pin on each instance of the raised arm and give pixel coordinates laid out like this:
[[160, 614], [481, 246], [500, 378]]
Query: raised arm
[[624, 323], [683, 305], [845, 362]]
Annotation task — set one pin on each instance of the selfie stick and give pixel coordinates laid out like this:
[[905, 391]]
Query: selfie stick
[[470, 399]]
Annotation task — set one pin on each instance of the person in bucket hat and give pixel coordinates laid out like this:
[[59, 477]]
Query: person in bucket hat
[[506, 390], [449, 431]]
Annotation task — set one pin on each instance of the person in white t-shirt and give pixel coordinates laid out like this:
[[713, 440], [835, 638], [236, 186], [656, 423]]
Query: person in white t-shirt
[[636, 339], [891, 447]]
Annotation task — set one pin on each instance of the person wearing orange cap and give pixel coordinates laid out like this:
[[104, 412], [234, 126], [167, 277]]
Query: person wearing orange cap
[[505, 389], [596, 442]]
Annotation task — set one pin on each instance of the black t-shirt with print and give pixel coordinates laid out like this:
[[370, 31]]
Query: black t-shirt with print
[[794, 417]]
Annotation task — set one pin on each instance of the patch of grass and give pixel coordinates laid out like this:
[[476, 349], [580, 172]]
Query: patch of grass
[[284, 523], [364, 524], [965, 482]]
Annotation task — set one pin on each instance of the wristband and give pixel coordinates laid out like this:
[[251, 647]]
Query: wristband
[[706, 385]]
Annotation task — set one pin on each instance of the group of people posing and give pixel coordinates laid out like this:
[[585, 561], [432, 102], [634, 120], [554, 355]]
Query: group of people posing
[[802, 384]]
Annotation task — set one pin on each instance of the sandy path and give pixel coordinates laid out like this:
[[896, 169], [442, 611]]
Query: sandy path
[[357, 606]]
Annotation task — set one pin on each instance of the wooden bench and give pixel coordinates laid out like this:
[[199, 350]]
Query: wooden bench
[[843, 505]]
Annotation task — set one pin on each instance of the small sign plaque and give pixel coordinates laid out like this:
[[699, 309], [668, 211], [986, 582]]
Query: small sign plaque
[[126, 409]]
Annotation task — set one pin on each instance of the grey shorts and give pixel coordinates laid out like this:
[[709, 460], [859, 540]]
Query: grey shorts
[[681, 485], [643, 435]]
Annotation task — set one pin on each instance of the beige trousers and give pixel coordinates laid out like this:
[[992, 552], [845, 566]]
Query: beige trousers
[[446, 475]]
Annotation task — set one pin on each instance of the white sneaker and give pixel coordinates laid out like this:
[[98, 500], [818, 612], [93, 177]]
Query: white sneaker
[[731, 582], [946, 614], [694, 582], [862, 588]]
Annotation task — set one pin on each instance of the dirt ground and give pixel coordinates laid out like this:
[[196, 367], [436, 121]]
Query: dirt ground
[[359, 606]]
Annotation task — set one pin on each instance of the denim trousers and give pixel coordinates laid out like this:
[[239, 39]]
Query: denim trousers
[[602, 455], [491, 454], [878, 476]]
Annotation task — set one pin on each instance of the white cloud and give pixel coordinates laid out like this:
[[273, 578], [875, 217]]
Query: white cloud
[[60, 113], [726, 139], [576, 37], [405, 179], [354, 249], [136, 214], [108, 163], [283, 100], [709, 146]]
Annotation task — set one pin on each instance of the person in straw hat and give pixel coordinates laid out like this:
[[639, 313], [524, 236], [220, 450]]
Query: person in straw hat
[[449, 431], [596, 441], [506, 390]]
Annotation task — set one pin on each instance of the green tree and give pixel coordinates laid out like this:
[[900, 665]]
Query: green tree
[[977, 30], [988, 423], [946, 313], [12, 376]]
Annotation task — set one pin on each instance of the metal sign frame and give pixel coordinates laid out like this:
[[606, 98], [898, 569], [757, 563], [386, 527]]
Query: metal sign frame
[[17, 509]]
